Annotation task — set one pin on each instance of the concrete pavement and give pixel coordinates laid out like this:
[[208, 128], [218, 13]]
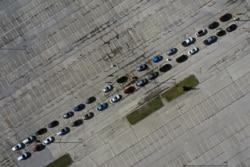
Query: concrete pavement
[[67, 58]]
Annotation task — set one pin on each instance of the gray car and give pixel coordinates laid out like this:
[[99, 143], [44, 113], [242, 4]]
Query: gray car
[[210, 40], [142, 82], [68, 115], [141, 67], [153, 75], [63, 131]]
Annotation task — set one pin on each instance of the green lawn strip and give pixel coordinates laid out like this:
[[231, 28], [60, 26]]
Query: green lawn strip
[[145, 110], [63, 161], [177, 90]]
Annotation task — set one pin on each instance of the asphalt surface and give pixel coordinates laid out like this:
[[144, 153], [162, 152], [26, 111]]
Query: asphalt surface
[[56, 54]]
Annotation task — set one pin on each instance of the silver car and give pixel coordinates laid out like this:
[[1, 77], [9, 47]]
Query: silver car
[[29, 139], [24, 156], [17, 147], [193, 51], [115, 99], [188, 41], [48, 140], [108, 88]]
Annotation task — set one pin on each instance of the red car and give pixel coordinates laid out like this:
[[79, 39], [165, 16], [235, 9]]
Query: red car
[[38, 147], [129, 90]]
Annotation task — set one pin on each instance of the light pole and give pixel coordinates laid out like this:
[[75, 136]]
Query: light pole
[[115, 65]]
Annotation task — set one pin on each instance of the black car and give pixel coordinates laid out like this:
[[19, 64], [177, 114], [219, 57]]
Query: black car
[[231, 28], [88, 116], [153, 75], [226, 17], [68, 115], [165, 68], [77, 123], [213, 25], [53, 124], [90, 100], [221, 33], [181, 59], [41, 131], [123, 79]]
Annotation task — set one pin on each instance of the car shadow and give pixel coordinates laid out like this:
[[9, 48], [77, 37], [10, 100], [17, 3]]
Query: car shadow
[[187, 88]]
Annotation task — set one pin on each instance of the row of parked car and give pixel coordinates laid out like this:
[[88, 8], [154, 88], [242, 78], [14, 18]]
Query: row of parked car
[[128, 90], [40, 145], [186, 43]]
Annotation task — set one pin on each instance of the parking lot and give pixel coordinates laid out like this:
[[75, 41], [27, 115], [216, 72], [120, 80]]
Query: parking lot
[[55, 55]]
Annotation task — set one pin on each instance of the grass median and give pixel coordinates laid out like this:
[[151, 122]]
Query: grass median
[[63, 161], [180, 88], [145, 110]]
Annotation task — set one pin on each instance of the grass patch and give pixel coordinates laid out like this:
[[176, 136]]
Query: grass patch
[[180, 88], [63, 161], [145, 110]]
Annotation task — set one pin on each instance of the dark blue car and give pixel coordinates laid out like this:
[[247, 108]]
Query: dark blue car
[[157, 59], [79, 107], [102, 106]]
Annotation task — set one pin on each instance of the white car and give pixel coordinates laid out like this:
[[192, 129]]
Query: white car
[[188, 41], [115, 99], [201, 32], [17, 147], [48, 140], [193, 51], [29, 139], [25, 155], [108, 88]]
